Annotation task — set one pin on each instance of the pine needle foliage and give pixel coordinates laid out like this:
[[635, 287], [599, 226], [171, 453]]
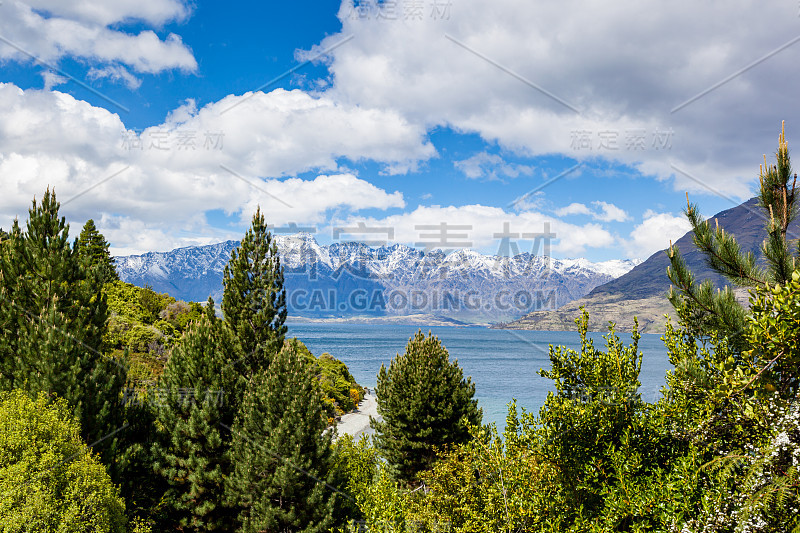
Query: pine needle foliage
[[425, 403], [254, 298], [193, 404], [284, 477], [706, 309], [52, 319], [94, 247]]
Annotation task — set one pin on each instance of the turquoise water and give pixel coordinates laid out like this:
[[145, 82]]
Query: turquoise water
[[503, 364]]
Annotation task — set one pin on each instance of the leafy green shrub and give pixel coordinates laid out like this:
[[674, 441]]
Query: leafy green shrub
[[487, 484], [340, 391], [181, 313], [140, 337], [166, 328], [608, 447], [146, 325], [152, 303], [49, 479]]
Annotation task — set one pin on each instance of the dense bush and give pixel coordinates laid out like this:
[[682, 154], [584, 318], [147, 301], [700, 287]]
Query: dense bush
[[145, 325], [49, 479], [719, 452], [340, 392]]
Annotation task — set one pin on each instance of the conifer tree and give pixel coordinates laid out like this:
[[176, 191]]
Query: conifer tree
[[703, 309], [52, 318], [254, 298], [425, 403], [284, 478], [194, 403], [93, 246]]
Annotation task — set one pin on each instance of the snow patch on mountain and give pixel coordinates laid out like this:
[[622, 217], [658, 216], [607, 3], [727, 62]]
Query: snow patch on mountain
[[471, 286]]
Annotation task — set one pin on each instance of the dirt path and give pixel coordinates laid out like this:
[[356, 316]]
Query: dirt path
[[357, 422]]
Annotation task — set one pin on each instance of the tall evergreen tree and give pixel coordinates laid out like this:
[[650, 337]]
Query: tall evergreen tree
[[93, 246], [254, 298], [703, 309], [425, 403], [52, 318], [283, 476], [195, 402]]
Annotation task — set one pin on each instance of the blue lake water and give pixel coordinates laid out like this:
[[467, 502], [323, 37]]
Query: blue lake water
[[503, 364]]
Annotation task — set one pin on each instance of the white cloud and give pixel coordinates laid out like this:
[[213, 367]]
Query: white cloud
[[605, 212], [655, 233], [307, 201], [491, 167], [609, 212], [48, 138], [484, 222], [51, 79], [574, 208], [50, 30], [155, 12], [115, 73], [625, 67], [286, 132]]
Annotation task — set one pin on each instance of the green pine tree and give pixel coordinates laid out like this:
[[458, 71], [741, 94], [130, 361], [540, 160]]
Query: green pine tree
[[254, 298], [92, 245], [193, 405], [425, 403], [284, 479], [52, 318], [703, 309]]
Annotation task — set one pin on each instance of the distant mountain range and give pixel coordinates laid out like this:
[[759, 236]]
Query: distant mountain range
[[642, 290], [351, 279]]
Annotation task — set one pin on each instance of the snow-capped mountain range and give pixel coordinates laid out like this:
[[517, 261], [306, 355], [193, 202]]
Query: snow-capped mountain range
[[353, 279]]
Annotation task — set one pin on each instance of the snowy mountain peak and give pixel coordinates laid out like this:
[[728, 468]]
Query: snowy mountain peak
[[413, 277]]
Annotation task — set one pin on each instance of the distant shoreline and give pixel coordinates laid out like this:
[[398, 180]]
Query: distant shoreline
[[405, 320]]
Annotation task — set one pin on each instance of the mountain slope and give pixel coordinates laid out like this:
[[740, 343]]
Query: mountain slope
[[352, 279], [650, 278], [642, 291]]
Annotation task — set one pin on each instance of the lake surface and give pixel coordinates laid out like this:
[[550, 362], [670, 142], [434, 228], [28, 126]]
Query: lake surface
[[503, 364]]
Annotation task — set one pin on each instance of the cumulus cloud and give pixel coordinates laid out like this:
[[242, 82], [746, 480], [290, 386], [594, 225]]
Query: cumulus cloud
[[491, 167], [574, 208], [609, 212], [604, 212], [654, 233], [155, 12], [565, 78], [114, 73], [286, 132], [52, 29], [477, 226], [197, 160]]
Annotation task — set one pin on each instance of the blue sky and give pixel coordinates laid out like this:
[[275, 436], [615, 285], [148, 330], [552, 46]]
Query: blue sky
[[156, 118]]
